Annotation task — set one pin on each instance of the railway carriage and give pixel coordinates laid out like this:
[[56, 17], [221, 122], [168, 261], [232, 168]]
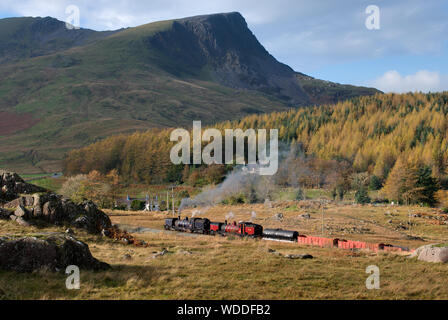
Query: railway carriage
[[280, 234]]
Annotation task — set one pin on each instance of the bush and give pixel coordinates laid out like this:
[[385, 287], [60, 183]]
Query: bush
[[379, 201], [72, 188], [183, 194], [121, 207], [235, 199], [375, 183], [334, 194], [202, 176], [137, 205], [362, 196], [299, 195]]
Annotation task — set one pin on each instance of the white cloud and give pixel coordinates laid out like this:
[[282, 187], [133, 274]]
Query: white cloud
[[423, 80]]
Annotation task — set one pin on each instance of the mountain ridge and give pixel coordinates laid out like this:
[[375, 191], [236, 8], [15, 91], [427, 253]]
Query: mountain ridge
[[162, 74], [29, 37]]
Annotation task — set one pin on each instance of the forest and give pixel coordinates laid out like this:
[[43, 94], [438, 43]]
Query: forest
[[393, 142]]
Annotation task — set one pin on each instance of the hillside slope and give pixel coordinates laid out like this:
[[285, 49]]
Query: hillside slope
[[163, 74]]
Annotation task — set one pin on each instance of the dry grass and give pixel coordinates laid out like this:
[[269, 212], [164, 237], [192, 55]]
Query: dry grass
[[226, 268]]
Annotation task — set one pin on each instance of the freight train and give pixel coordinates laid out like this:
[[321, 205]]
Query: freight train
[[242, 229]]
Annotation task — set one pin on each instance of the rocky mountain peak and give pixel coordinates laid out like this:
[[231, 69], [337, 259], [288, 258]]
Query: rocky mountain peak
[[223, 45]]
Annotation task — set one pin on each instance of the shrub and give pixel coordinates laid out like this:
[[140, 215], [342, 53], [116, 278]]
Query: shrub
[[121, 207], [137, 205], [183, 194], [72, 188], [362, 196], [235, 199], [334, 194], [375, 183], [299, 195]]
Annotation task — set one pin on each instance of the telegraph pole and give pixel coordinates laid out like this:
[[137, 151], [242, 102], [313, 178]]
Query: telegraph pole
[[322, 209], [172, 194]]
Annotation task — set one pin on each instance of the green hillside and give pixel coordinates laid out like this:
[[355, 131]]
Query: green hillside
[[163, 74]]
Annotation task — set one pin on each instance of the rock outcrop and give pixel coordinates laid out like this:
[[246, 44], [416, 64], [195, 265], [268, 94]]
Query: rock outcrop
[[48, 252], [4, 214], [12, 185], [431, 253], [54, 209], [28, 203], [290, 255]]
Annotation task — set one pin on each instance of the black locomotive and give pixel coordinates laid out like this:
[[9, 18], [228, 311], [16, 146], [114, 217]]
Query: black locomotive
[[193, 225], [170, 223], [205, 226]]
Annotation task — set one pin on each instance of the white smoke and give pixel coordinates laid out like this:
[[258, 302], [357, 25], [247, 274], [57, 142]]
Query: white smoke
[[244, 180], [239, 181], [230, 215], [253, 216], [197, 212]]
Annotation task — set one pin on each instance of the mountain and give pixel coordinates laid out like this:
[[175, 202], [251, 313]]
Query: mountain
[[63, 89]]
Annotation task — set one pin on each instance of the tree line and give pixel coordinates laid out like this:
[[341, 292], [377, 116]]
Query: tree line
[[394, 141]]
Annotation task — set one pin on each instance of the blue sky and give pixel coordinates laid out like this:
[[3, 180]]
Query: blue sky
[[326, 39]]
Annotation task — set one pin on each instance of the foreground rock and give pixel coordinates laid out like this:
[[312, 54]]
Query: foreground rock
[[4, 214], [279, 216], [290, 256], [298, 256], [431, 253], [159, 254], [26, 203], [12, 185], [53, 252], [28, 209], [54, 209]]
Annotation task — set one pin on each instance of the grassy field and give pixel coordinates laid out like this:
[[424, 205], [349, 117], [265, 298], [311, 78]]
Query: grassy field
[[53, 184], [206, 267]]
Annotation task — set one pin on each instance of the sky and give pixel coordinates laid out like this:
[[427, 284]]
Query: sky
[[400, 46]]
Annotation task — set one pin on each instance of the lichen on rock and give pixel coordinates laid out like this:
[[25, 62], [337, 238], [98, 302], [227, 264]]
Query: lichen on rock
[[431, 253]]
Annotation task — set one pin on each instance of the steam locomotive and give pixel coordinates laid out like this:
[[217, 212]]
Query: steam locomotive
[[242, 229]]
